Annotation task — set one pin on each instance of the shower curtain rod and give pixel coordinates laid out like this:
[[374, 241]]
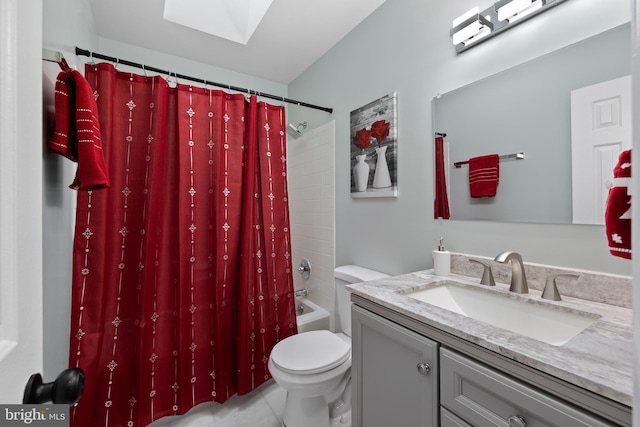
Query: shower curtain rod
[[90, 54]]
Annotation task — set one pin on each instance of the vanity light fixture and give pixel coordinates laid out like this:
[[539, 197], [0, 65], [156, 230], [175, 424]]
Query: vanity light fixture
[[474, 26], [516, 9], [470, 27]]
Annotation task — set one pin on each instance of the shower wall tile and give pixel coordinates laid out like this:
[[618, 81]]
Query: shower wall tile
[[325, 219], [310, 164]]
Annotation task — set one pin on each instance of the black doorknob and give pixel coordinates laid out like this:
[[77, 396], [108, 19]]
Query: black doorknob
[[67, 388]]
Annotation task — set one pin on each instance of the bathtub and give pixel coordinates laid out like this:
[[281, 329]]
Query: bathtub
[[313, 317]]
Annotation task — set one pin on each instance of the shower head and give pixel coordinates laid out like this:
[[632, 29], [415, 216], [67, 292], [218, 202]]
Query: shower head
[[296, 130]]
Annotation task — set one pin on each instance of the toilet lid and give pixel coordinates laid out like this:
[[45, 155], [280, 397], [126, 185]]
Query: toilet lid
[[310, 352]]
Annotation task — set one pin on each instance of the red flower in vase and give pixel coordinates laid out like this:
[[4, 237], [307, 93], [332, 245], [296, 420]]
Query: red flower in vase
[[362, 139], [380, 130]]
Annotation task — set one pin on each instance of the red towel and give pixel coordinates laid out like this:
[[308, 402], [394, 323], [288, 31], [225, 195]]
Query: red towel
[[484, 175], [441, 201], [77, 130], [617, 216]]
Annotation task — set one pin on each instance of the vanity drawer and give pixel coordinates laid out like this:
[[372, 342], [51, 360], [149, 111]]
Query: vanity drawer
[[483, 397], [447, 419]]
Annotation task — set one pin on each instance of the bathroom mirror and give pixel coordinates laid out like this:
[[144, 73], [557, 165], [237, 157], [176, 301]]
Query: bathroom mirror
[[526, 109]]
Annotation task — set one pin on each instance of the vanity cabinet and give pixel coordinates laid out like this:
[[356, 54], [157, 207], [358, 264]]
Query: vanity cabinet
[[483, 396], [394, 374], [392, 385], [447, 419]]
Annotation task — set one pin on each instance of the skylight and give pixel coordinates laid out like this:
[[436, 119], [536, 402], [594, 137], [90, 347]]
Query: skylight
[[235, 20]]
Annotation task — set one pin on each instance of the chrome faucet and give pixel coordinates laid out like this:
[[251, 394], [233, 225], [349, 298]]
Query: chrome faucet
[[301, 293], [487, 275], [518, 278], [551, 288]]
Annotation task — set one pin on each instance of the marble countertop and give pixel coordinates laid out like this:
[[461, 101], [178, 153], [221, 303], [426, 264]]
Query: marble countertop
[[599, 359]]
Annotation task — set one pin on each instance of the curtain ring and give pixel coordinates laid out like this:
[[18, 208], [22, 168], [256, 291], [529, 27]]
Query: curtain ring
[[117, 63], [93, 62], [174, 83], [144, 70]]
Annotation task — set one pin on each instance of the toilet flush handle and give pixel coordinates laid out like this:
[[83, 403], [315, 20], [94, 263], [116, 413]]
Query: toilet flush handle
[[423, 368]]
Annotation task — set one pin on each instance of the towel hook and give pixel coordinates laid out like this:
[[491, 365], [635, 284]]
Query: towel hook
[[63, 64]]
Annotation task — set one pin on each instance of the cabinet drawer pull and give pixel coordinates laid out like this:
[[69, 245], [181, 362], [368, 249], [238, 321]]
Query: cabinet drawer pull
[[423, 368], [517, 421]]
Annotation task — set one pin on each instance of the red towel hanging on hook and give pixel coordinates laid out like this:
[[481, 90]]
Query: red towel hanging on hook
[[76, 133]]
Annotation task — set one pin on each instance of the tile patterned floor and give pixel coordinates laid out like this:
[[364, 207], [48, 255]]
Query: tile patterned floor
[[261, 408]]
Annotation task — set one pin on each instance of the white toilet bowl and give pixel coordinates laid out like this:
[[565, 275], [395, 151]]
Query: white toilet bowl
[[311, 367], [315, 367]]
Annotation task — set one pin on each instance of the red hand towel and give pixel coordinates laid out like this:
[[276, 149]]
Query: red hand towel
[[441, 202], [484, 175], [77, 130], [617, 216]]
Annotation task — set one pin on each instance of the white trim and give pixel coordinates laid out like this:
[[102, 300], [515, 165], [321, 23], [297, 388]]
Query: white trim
[[8, 172], [20, 195]]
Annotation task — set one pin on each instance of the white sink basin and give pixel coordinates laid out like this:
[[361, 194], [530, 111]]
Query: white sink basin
[[551, 325]]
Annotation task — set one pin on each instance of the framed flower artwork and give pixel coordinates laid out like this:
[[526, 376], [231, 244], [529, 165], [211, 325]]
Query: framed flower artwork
[[374, 149]]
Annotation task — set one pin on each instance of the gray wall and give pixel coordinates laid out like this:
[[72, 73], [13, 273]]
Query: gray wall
[[65, 24], [404, 46], [526, 108]]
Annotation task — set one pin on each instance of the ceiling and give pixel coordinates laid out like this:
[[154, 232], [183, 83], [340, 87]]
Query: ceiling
[[291, 37]]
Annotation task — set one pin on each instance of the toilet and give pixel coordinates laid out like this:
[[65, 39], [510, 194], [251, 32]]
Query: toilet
[[315, 367]]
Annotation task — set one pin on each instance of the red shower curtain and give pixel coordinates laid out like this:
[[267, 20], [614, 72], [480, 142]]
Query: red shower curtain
[[182, 270]]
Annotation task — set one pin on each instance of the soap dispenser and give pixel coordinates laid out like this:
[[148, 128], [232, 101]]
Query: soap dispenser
[[441, 260]]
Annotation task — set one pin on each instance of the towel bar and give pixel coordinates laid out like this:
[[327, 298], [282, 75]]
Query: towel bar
[[517, 156]]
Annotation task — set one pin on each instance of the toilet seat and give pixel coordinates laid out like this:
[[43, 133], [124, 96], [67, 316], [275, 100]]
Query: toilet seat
[[310, 353]]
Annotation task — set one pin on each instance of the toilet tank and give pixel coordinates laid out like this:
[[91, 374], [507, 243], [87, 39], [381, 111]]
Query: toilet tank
[[344, 275]]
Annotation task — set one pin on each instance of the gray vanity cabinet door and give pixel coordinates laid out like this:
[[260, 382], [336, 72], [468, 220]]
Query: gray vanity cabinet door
[[394, 374], [447, 419], [484, 397]]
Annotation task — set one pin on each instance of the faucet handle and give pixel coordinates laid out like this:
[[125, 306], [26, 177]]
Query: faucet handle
[[551, 289], [487, 274]]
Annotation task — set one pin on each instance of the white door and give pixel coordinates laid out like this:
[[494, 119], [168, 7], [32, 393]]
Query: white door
[[21, 195], [600, 130]]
